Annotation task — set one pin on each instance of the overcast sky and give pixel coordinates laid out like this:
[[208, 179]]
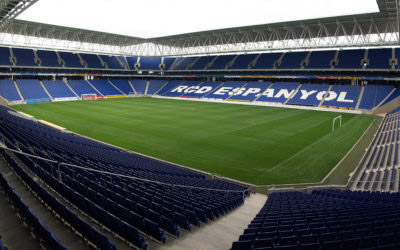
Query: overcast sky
[[155, 18]]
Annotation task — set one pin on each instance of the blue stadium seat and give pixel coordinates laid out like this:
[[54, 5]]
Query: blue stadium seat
[[267, 61], [39, 228], [226, 90], [25, 57], [251, 91], [221, 62], [154, 216], [103, 242], [182, 221], [201, 89], [133, 235], [116, 225], [154, 230], [124, 61], [131, 61], [48, 58], [184, 63], [202, 62], [105, 87], [137, 221], [320, 59], [292, 60], [170, 226], [154, 86], [92, 61], [242, 245], [187, 87], [122, 85], [82, 87], [169, 86], [116, 202], [32, 89], [168, 61], [192, 217], [263, 242], [350, 59], [112, 62], [278, 92], [373, 95], [309, 95], [243, 61], [58, 89], [393, 96], [9, 91], [343, 96], [71, 60], [379, 59], [150, 63], [174, 62], [140, 86], [5, 56]]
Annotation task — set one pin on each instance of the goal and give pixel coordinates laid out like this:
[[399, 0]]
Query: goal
[[334, 121], [88, 96], [135, 94]]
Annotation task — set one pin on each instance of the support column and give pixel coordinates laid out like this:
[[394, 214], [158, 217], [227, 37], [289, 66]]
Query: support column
[[398, 17]]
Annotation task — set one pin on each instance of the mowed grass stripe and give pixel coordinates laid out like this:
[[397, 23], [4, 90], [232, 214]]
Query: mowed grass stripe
[[260, 145]]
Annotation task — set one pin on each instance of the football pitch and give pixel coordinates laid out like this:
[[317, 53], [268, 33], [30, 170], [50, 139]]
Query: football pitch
[[259, 145]]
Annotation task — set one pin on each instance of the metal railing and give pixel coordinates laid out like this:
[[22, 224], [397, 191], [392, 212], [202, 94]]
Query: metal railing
[[60, 164]]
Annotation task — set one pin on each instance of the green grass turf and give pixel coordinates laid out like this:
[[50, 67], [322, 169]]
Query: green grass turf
[[259, 145]]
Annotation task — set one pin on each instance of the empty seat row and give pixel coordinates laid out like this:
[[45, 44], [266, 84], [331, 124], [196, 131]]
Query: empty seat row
[[163, 198], [45, 91], [37, 226], [291, 93], [377, 169], [325, 219], [346, 59], [89, 233], [326, 59]]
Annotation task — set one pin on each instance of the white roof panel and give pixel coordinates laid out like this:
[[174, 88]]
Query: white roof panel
[[158, 18]]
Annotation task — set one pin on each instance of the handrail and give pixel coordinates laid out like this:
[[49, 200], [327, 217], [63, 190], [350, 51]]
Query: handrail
[[59, 164]]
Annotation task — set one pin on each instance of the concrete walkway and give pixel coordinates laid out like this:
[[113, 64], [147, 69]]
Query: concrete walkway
[[218, 234], [63, 233], [14, 234]]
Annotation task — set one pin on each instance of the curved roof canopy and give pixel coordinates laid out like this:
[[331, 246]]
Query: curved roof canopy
[[373, 29]]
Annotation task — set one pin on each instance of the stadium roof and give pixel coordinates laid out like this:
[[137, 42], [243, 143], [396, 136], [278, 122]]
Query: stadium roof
[[166, 18], [373, 29], [9, 9]]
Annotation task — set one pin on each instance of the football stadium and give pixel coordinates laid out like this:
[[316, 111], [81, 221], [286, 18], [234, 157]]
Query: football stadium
[[170, 125]]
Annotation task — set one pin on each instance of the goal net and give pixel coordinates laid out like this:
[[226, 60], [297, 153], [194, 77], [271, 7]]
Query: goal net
[[88, 96], [135, 94], [334, 122]]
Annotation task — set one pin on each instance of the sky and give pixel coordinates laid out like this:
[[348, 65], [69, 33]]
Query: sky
[[157, 18]]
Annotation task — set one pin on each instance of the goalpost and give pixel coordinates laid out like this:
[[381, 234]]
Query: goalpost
[[88, 97], [334, 120], [131, 94], [135, 94]]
